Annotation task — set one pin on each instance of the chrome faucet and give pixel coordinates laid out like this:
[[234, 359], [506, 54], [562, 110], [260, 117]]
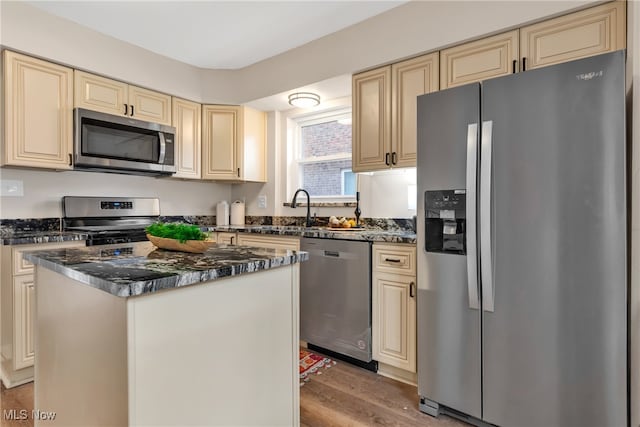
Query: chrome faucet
[[294, 205]]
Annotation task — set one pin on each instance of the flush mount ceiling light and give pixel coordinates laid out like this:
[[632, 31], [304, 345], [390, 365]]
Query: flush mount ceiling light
[[304, 99]]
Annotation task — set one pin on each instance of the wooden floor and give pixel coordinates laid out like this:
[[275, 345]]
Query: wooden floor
[[17, 399], [342, 396], [345, 395]]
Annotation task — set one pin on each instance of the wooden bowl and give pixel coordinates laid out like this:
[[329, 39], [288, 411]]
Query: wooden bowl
[[193, 246]]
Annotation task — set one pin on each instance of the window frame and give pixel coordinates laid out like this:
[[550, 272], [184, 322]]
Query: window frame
[[294, 137]]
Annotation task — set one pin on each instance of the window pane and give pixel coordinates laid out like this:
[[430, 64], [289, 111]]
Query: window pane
[[326, 178], [348, 182], [324, 139]]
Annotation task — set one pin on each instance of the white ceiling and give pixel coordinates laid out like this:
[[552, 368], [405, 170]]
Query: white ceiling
[[217, 34]]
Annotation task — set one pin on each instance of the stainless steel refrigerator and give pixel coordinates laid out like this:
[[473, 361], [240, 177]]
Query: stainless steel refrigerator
[[522, 246]]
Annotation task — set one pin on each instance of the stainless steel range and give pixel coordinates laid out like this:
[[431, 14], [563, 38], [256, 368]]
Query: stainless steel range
[[110, 220]]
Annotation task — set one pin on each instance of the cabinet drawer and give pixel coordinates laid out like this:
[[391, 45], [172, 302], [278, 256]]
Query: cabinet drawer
[[289, 243], [22, 266], [394, 259], [226, 238]]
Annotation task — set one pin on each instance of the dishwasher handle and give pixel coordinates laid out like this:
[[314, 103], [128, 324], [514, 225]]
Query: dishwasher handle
[[334, 254]]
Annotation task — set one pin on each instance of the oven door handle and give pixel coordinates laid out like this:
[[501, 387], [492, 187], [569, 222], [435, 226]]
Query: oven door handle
[[163, 148]]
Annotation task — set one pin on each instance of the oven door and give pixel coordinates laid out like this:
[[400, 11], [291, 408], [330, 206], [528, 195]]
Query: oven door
[[114, 143]]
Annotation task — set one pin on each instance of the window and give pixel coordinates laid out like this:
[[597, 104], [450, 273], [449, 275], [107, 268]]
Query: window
[[322, 145]]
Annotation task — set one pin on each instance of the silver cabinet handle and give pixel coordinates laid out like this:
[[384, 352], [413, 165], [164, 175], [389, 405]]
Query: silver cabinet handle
[[163, 148], [472, 250], [486, 263]]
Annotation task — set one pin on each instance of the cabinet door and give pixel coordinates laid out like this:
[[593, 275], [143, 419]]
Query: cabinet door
[[289, 243], [150, 106], [479, 60], [219, 136], [410, 78], [252, 146], [23, 320], [38, 113], [100, 94], [394, 320], [187, 117], [589, 32], [226, 238], [372, 120]]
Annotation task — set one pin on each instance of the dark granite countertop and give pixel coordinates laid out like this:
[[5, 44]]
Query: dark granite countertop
[[139, 268], [27, 237], [365, 234]]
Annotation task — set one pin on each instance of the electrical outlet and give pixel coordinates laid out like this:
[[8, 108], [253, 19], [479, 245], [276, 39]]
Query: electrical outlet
[[11, 188], [262, 201]]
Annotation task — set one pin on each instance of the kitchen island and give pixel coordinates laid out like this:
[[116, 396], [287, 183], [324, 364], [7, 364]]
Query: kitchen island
[[134, 335]]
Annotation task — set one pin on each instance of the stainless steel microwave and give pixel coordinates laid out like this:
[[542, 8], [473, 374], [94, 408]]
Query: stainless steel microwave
[[110, 143]]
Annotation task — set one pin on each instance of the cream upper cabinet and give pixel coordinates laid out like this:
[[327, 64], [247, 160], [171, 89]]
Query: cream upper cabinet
[[233, 143], [589, 32], [372, 120], [111, 96], [394, 309], [38, 113], [187, 117], [479, 60], [411, 79], [385, 112]]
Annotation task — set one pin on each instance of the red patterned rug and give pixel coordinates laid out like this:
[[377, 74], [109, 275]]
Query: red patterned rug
[[311, 363]]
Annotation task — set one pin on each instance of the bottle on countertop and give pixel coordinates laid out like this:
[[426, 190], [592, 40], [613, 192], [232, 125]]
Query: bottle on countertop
[[222, 213]]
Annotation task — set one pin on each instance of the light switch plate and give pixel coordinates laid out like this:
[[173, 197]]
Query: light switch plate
[[11, 188], [262, 201]]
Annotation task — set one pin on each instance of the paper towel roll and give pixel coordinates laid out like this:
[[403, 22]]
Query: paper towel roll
[[237, 213], [222, 213]]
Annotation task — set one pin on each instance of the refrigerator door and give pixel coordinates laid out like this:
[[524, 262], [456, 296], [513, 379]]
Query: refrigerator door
[[449, 363], [554, 349]]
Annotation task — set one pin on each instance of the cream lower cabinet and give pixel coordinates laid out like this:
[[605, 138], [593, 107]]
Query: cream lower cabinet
[[227, 238], [394, 310], [187, 119], [269, 241], [17, 289], [233, 143], [38, 113], [114, 97]]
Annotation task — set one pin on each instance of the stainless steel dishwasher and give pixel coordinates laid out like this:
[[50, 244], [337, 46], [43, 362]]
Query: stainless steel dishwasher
[[335, 298]]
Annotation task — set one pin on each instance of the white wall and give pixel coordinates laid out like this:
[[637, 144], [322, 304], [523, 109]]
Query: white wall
[[407, 30], [43, 191]]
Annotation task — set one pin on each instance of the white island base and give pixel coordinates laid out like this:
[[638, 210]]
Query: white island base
[[220, 353]]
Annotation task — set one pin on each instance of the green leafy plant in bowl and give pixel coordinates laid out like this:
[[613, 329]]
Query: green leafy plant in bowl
[[178, 237]]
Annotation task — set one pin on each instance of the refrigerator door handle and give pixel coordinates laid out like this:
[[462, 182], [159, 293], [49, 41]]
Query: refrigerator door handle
[[486, 264], [472, 253]]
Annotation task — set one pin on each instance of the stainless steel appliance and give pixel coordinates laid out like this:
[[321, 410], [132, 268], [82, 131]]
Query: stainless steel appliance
[[109, 220], [335, 298], [109, 143], [526, 323]]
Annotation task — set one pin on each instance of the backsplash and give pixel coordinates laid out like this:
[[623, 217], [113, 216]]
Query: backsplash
[[9, 226]]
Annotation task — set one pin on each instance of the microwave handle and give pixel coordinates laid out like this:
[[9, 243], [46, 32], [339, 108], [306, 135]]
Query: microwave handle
[[163, 148]]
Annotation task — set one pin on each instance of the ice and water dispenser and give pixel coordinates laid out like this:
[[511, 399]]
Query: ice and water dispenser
[[445, 222]]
